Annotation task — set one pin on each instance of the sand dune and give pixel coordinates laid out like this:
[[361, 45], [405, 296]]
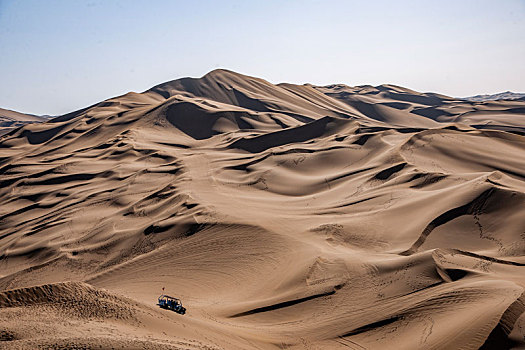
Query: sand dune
[[507, 95], [283, 216], [11, 119]]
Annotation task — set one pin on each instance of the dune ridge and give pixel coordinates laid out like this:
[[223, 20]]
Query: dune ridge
[[284, 216]]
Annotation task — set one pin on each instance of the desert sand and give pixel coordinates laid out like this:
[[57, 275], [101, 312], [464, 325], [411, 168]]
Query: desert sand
[[10, 120], [284, 217]]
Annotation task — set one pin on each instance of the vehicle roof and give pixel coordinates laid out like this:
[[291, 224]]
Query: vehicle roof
[[167, 296]]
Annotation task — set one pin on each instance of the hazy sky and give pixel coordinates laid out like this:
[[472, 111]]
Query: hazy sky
[[58, 56]]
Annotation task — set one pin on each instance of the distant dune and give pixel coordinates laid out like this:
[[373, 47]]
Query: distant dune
[[508, 95], [11, 119], [284, 217]]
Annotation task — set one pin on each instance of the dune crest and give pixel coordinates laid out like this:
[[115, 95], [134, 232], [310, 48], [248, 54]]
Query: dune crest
[[283, 216]]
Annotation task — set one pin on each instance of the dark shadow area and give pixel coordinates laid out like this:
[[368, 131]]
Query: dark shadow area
[[283, 304]]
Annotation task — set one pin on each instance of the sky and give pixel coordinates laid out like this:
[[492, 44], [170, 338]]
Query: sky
[[59, 56]]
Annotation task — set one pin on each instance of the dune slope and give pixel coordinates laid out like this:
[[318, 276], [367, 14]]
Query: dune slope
[[11, 119], [283, 216]]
